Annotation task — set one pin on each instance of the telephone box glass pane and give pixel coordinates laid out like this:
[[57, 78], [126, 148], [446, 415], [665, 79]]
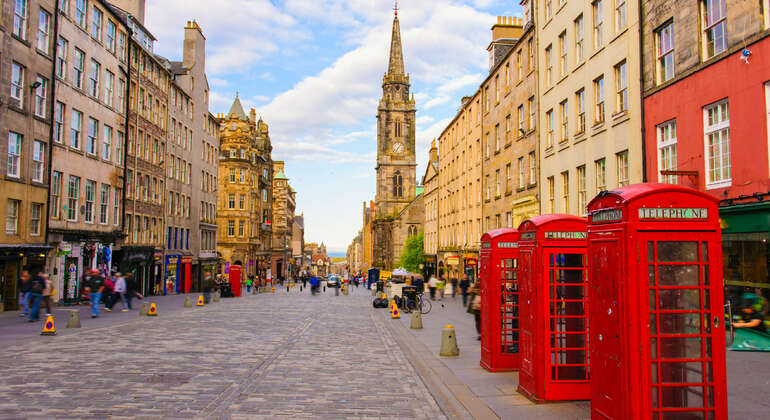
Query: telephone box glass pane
[[567, 323], [509, 307], [679, 251]]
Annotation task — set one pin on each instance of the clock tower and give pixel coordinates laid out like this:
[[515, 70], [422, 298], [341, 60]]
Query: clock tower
[[396, 160]]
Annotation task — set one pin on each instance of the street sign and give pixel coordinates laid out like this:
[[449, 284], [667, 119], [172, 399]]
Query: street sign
[[385, 275]]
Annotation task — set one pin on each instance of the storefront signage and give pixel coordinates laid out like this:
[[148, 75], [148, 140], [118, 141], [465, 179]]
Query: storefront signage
[[486, 245], [608, 215], [528, 235], [186, 260], [565, 235], [67, 249], [453, 260], [227, 267], [673, 213], [507, 244], [385, 275], [471, 262]]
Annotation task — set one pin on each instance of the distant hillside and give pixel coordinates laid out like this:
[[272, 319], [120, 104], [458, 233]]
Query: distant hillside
[[337, 255]]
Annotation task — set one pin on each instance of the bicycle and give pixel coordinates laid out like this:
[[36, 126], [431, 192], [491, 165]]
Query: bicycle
[[412, 302]]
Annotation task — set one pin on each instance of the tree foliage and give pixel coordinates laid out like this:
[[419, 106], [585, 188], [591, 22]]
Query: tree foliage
[[413, 255]]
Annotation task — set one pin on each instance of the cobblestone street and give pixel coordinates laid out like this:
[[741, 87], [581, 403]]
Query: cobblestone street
[[262, 356]]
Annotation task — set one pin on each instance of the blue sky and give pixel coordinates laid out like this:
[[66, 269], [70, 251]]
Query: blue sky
[[313, 70]]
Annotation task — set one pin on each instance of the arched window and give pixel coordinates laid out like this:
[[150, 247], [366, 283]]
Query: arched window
[[398, 128], [397, 185]]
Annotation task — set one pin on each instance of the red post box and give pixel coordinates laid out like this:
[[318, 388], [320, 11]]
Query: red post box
[[235, 279], [500, 300], [552, 292], [656, 311]]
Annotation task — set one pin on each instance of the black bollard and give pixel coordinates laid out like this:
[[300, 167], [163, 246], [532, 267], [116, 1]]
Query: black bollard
[[324, 289]]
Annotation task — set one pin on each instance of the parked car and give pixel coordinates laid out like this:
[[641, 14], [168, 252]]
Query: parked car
[[333, 281]]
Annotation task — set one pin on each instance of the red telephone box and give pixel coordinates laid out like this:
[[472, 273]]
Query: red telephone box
[[656, 310], [235, 279], [552, 292], [500, 300]]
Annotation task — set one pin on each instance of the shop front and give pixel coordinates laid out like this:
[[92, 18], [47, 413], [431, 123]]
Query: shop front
[[171, 274], [429, 269], [746, 250], [470, 266], [14, 259], [185, 274], [145, 263]]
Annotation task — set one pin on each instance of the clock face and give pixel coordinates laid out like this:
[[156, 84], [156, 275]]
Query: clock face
[[398, 147]]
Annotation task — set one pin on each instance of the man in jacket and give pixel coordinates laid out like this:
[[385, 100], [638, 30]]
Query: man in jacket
[[464, 285], [36, 288], [94, 287]]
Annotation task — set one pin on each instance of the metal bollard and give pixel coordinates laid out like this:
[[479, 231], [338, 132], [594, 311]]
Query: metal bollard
[[336, 291], [449, 342], [416, 320], [216, 296], [74, 319], [187, 302], [374, 291], [144, 309]]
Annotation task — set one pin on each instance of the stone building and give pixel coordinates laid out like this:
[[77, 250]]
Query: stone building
[[191, 169], [89, 140], [298, 241], [589, 84], [320, 263], [26, 66], [459, 190], [396, 164], [354, 254], [509, 139], [142, 251], [244, 195], [706, 101], [430, 199], [284, 206]]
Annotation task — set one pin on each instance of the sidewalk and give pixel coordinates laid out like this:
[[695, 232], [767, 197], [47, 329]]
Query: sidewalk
[[16, 330], [466, 390]]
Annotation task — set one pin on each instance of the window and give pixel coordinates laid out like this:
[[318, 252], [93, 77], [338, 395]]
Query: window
[[716, 120], [549, 127], [20, 19], [620, 15], [601, 175], [548, 66], [563, 54], [667, 151], [116, 205], [242, 202], [507, 181], [17, 83], [77, 128], [109, 83], [107, 143], [104, 205], [119, 148], [579, 40], [580, 110], [64, 7], [621, 160], [551, 194], [241, 226], [497, 138], [564, 111], [532, 168], [565, 191], [55, 194], [509, 220], [548, 9], [41, 97], [96, 24], [12, 217], [242, 177], [497, 183], [621, 87], [231, 228], [598, 17], [93, 136], [80, 12], [488, 189], [397, 185], [88, 216], [581, 189], [766, 14], [111, 35], [664, 46], [61, 58], [532, 112], [38, 161], [231, 201], [43, 31], [73, 191], [521, 172], [519, 66], [714, 21], [14, 154], [599, 100], [94, 78], [122, 46], [58, 120], [78, 67]]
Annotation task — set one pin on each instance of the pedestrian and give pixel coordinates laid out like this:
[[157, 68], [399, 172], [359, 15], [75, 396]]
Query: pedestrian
[[130, 289], [120, 291], [440, 285], [475, 308], [36, 288], [47, 293], [432, 283], [419, 284], [465, 283], [24, 293], [95, 288], [108, 295], [454, 287], [249, 282]]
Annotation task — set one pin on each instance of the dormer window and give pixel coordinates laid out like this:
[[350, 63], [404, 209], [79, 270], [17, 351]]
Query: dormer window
[[232, 126], [232, 153]]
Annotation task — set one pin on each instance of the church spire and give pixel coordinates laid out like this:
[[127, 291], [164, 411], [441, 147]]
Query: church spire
[[396, 65]]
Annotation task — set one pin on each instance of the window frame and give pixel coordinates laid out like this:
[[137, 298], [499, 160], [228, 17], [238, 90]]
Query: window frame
[[12, 216], [18, 79], [600, 175], [707, 28], [41, 97], [664, 59], [44, 31], [667, 143], [621, 165], [20, 19], [722, 127], [15, 144], [38, 161], [599, 101], [621, 87], [597, 15], [579, 29]]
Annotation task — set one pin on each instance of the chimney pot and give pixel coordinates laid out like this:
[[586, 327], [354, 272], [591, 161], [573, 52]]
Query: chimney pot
[[499, 19]]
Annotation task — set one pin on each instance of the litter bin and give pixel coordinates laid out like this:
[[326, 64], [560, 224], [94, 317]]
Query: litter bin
[[226, 290]]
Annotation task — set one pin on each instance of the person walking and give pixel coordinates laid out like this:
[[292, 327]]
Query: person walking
[[95, 288], [36, 288], [465, 283], [454, 287], [24, 279], [432, 283], [475, 308], [130, 289], [108, 294], [249, 282], [120, 291], [47, 293], [440, 285]]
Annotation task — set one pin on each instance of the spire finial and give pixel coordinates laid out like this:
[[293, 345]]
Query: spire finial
[[395, 9]]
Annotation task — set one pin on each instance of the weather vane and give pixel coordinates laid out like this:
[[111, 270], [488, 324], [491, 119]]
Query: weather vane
[[396, 8]]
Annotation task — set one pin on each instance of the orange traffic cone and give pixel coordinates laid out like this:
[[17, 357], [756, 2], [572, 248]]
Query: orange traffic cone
[[153, 311], [394, 313], [200, 300], [48, 327]]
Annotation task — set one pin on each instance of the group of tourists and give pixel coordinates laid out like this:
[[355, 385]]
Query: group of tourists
[[35, 291], [110, 290]]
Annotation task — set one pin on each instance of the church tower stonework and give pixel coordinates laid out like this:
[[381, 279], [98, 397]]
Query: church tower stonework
[[396, 157]]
